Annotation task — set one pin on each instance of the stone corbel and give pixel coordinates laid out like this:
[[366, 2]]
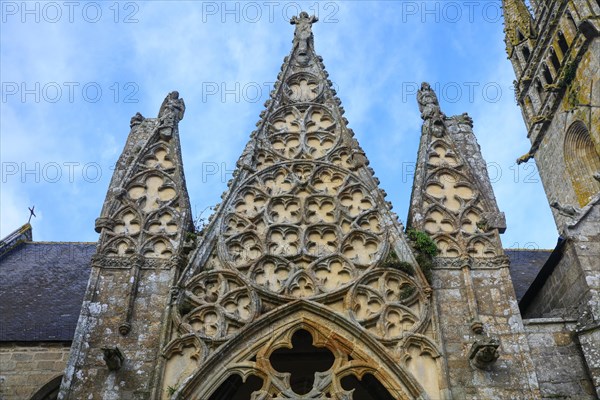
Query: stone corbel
[[538, 119], [113, 358], [484, 352], [566, 211], [494, 220]]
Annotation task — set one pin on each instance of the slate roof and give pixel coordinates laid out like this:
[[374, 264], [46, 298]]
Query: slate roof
[[524, 267], [41, 290]]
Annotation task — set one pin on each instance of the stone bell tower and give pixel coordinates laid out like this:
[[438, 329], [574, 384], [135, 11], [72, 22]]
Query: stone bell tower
[[555, 52]]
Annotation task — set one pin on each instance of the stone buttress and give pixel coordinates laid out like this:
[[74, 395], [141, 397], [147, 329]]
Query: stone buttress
[[452, 201], [143, 227], [303, 284]]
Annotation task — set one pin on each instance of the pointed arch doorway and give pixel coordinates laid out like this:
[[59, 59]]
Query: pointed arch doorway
[[301, 352]]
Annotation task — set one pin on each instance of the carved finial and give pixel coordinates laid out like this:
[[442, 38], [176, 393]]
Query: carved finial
[[303, 35], [428, 101], [430, 111], [136, 120], [171, 112]]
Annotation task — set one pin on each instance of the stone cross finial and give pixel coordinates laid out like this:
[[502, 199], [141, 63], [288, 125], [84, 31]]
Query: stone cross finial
[[303, 35]]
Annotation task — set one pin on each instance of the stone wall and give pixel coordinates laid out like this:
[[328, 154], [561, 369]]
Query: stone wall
[[25, 367], [557, 297], [560, 368], [87, 375], [492, 299]]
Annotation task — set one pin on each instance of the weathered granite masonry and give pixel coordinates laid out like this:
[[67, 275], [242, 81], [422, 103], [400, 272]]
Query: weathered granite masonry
[[26, 368], [560, 368], [555, 55], [144, 223], [453, 201]]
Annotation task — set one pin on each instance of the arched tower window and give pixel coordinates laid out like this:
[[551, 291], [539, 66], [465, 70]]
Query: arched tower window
[[525, 52], [554, 60], [582, 161], [547, 74], [562, 43], [538, 88]]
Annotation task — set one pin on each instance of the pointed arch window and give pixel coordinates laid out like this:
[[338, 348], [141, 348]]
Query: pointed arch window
[[582, 161], [538, 88], [562, 43], [547, 74], [554, 60], [526, 53]]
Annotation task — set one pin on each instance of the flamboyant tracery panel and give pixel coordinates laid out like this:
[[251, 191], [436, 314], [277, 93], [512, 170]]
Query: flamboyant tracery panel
[[454, 214], [314, 225], [452, 203], [143, 214]]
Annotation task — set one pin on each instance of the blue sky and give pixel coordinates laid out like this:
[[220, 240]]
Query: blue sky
[[74, 73]]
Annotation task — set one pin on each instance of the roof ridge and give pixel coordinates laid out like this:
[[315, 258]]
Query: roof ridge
[[59, 242], [524, 249]]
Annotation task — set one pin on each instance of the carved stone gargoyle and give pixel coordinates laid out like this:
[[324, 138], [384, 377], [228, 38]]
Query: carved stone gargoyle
[[484, 352], [113, 358]]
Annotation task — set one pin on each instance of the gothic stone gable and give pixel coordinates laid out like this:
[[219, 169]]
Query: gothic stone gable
[[297, 253]]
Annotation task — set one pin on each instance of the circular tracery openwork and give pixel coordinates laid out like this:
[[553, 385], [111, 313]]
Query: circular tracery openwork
[[216, 305], [303, 87], [302, 230], [308, 132], [388, 304]]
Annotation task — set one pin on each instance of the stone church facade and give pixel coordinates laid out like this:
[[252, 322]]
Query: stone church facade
[[305, 285]]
